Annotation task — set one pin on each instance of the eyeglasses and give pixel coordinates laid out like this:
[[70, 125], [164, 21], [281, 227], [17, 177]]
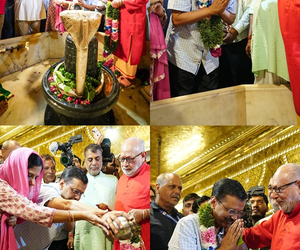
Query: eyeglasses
[[279, 190], [128, 159], [232, 211], [75, 191]]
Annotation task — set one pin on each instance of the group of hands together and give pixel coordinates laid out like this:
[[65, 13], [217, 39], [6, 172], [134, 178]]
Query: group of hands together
[[106, 219], [232, 236], [70, 4]]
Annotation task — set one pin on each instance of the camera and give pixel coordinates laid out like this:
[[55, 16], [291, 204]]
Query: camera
[[107, 155], [67, 155], [253, 191]]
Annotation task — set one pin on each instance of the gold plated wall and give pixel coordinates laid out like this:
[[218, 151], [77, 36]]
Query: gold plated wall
[[40, 138], [201, 155]]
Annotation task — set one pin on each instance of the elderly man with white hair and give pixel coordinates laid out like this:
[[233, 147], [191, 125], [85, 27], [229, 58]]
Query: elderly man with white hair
[[133, 187], [282, 230]]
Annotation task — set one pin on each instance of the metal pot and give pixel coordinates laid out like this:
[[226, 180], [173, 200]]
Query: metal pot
[[130, 227]]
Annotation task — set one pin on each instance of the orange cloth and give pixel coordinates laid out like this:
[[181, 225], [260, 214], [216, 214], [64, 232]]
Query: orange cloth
[[280, 231], [289, 18], [132, 36], [133, 193]]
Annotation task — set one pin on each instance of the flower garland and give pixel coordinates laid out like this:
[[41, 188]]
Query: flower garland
[[111, 30], [207, 228], [211, 30], [135, 243]]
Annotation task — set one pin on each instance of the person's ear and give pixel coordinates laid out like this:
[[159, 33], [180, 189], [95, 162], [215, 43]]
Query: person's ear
[[213, 202], [157, 187], [62, 182]]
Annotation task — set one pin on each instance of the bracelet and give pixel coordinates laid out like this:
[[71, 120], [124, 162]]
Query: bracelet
[[143, 213], [69, 215], [249, 37], [73, 216], [70, 235]]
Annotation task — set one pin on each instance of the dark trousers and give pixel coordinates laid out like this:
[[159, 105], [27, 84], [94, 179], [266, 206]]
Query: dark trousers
[[59, 245], [8, 29], [185, 83], [235, 66]]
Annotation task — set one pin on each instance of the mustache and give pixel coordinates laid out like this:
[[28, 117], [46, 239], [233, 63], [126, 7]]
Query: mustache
[[176, 196], [229, 220]]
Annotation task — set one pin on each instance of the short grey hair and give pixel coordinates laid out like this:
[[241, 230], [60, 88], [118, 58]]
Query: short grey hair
[[163, 178]]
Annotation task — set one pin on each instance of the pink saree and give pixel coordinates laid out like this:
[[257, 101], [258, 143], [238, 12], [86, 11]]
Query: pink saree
[[159, 70]]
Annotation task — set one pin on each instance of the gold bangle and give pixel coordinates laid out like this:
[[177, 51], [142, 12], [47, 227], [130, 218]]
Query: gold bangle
[[143, 214]]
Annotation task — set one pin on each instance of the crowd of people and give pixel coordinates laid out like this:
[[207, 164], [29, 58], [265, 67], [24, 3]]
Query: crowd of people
[[230, 218], [38, 209], [252, 49]]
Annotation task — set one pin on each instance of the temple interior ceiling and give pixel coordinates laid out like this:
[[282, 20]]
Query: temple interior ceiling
[[40, 138], [201, 155]]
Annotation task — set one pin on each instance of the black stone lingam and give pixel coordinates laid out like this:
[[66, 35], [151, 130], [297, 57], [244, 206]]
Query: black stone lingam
[[60, 112]]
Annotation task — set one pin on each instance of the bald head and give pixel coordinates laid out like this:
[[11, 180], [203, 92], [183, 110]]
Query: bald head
[[289, 172], [285, 187], [8, 147]]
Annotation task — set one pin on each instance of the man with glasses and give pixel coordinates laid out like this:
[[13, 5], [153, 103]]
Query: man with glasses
[[62, 195], [133, 187], [281, 230], [225, 209], [100, 189]]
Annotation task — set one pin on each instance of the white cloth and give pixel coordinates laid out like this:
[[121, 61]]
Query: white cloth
[[185, 48], [29, 10], [100, 189], [32, 236], [242, 20], [186, 234]]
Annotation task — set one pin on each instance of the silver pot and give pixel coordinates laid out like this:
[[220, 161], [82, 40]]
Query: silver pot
[[130, 227]]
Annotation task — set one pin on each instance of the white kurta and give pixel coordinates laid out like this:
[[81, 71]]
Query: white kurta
[[29, 10], [100, 189]]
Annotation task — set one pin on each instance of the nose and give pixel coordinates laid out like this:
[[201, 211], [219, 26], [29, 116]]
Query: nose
[[77, 197], [234, 217], [31, 182], [178, 191], [273, 194]]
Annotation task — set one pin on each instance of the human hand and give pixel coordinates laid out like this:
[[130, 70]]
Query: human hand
[[234, 232], [248, 48], [218, 6], [64, 4], [103, 206], [94, 218], [70, 243], [138, 214], [230, 36], [117, 3], [11, 220], [112, 216]]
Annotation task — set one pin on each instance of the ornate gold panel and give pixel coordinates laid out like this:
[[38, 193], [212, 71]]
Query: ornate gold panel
[[40, 138]]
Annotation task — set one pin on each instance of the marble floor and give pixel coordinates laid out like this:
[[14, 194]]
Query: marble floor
[[22, 70]]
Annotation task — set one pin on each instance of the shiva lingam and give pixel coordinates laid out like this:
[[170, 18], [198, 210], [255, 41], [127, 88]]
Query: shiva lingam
[[88, 99]]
